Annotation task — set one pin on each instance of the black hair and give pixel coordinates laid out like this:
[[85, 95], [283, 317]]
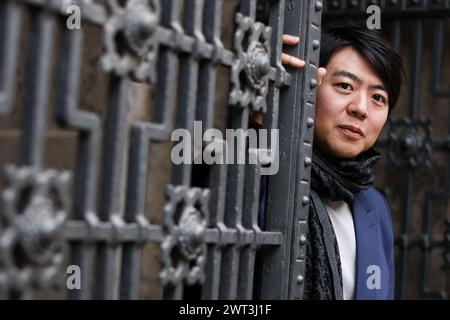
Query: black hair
[[386, 62]]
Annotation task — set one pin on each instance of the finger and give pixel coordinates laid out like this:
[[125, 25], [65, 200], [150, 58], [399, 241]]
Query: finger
[[290, 40], [257, 117], [320, 74], [291, 60]]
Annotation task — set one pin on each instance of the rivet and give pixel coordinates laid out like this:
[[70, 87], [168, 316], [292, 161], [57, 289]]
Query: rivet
[[305, 200], [300, 279], [316, 44], [318, 5], [302, 239], [310, 122], [308, 161], [313, 83]]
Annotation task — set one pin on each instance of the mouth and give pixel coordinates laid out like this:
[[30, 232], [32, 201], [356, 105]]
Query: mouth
[[351, 131]]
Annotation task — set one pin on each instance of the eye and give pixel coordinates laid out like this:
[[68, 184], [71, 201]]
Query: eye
[[344, 86], [379, 98]]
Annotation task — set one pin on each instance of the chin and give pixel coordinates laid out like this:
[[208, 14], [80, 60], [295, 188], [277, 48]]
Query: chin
[[345, 152]]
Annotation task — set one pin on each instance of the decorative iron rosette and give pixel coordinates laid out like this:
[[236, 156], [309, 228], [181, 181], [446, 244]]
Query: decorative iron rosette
[[184, 247], [130, 39], [250, 70], [409, 142], [34, 208]]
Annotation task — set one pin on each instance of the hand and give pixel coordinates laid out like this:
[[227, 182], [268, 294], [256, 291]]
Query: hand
[[296, 62], [288, 59]]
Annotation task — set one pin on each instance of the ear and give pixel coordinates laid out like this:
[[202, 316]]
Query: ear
[[320, 74]]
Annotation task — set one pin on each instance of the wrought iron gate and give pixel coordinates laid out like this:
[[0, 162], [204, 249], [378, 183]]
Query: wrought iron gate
[[85, 123], [415, 172], [78, 154]]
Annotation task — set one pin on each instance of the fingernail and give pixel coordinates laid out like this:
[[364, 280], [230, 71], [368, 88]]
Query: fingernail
[[299, 62]]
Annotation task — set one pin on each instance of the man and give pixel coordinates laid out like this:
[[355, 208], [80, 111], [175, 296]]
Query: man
[[350, 240]]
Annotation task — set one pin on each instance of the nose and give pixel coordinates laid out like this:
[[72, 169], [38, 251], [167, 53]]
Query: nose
[[358, 106]]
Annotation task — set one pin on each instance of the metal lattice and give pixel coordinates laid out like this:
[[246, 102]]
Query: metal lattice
[[207, 236]]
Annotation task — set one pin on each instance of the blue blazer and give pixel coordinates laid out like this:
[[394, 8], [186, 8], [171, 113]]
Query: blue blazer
[[374, 244], [374, 247]]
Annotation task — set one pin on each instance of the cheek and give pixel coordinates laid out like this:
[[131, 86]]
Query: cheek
[[322, 118], [377, 125], [325, 107]]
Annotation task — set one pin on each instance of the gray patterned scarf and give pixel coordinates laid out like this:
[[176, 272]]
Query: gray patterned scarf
[[337, 179]]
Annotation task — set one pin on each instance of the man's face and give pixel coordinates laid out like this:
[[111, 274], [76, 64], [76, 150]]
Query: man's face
[[352, 106]]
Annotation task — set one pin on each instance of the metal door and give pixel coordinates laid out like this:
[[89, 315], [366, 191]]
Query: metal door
[[87, 112]]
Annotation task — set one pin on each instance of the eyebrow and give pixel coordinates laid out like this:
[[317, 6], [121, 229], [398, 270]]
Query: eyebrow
[[354, 77]]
